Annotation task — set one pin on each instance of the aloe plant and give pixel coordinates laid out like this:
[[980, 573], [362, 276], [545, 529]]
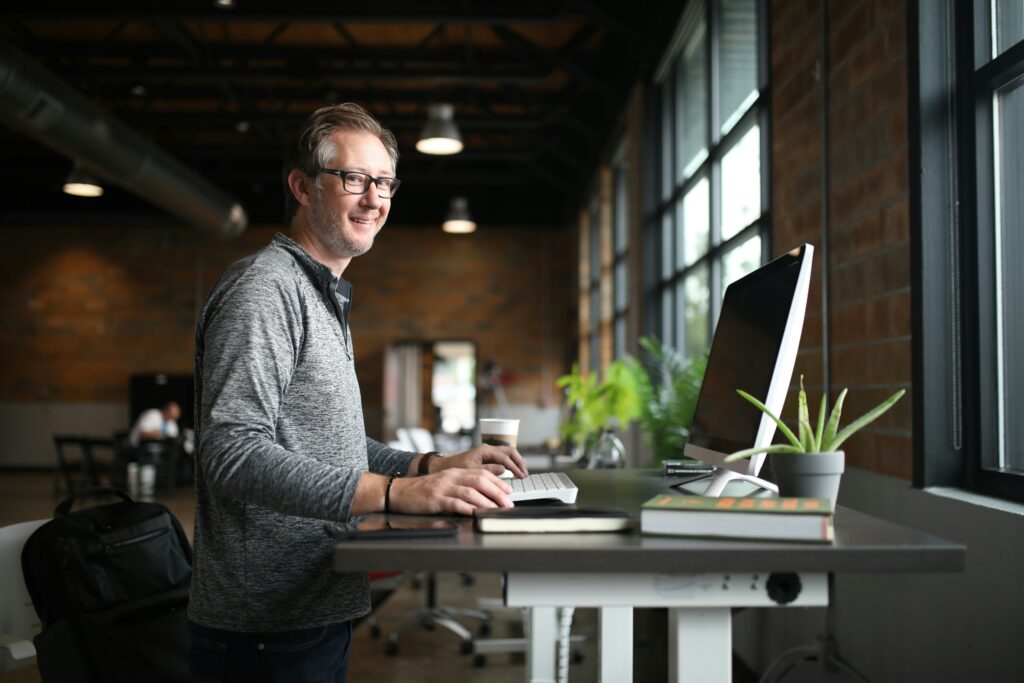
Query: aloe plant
[[824, 438]]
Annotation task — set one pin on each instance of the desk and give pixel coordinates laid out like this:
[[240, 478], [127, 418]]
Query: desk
[[699, 580]]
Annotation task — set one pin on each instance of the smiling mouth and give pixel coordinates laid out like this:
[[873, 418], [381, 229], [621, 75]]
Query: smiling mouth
[[363, 220]]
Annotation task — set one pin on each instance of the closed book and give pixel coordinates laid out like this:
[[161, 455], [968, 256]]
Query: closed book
[[550, 519], [762, 519]]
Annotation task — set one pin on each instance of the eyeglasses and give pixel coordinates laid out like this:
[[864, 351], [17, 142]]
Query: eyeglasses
[[355, 182]]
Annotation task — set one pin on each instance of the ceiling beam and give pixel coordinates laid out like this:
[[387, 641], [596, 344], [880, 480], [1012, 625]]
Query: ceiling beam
[[284, 75], [395, 12], [514, 39]]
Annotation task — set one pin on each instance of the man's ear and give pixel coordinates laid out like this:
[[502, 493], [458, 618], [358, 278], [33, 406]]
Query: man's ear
[[298, 184]]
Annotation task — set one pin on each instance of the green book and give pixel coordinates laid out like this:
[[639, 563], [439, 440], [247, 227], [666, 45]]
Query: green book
[[764, 519]]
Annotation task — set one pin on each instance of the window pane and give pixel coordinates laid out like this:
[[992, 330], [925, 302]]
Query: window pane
[[666, 245], [694, 331], [668, 317], [1009, 283], [740, 260], [741, 184], [696, 223], [620, 286], [621, 219], [620, 337], [737, 59], [667, 140], [691, 102], [1009, 24], [595, 244]]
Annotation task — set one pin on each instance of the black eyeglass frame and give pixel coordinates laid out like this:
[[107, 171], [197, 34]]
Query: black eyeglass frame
[[366, 185]]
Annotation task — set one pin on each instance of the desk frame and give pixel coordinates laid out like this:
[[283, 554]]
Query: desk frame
[[613, 572]]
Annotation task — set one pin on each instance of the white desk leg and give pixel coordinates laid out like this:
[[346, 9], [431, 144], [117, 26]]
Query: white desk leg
[[542, 626], [700, 645], [616, 644]]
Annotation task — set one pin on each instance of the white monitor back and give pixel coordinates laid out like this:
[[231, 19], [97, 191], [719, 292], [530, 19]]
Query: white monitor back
[[754, 349]]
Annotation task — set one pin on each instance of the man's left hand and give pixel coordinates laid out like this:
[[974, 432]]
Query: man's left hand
[[496, 459]]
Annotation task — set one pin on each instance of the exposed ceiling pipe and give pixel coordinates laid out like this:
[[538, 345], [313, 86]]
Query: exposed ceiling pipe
[[37, 103]]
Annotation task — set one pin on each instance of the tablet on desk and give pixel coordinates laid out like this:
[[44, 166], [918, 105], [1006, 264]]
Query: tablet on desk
[[381, 527]]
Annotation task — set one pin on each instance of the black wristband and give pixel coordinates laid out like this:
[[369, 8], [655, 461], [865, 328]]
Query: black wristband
[[387, 494], [424, 464]]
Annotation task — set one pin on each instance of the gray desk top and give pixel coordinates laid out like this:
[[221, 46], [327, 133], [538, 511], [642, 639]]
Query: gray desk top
[[862, 544]]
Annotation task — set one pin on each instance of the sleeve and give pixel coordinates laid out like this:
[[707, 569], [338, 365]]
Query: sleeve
[[386, 460], [248, 352]]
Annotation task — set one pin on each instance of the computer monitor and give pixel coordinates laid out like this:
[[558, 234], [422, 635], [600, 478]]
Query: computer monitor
[[754, 349]]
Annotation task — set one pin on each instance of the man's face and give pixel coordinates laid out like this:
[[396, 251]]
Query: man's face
[[347, 223]]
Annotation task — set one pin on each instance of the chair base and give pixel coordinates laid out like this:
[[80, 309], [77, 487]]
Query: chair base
[[445, 617]]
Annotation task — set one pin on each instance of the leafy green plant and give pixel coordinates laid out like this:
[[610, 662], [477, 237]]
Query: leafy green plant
[[825, 438], [595, 403], [667, 388]]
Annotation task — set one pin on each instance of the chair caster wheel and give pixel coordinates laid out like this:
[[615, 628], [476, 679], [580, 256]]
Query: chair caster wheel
[[485, 629], [391, 649], [375, 632], [479, 661], [466, 647]]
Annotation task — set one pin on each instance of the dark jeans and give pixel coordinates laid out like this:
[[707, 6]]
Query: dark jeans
[[309, 655]]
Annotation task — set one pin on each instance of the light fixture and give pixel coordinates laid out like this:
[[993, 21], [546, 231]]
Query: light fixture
[[82, 183], [224, 4], [440, 134], [458, 220]]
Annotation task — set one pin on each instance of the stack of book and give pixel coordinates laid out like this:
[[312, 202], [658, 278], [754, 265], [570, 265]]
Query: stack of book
[[762, 519]]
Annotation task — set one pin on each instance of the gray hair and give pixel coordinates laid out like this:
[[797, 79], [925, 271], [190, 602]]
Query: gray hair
[[314, 149]]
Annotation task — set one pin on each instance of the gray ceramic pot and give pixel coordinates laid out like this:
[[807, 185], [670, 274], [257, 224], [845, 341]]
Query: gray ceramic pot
[[809, 475]]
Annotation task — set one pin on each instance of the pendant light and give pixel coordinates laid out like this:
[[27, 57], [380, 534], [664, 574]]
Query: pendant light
[[459, 220], [440, 134], [82, 183]]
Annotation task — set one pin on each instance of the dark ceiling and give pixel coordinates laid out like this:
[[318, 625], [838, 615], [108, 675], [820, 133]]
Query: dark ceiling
[[538, 87]]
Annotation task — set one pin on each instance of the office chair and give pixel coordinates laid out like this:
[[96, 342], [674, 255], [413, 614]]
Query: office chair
[[18, 620], [435, 615], [86, 469]]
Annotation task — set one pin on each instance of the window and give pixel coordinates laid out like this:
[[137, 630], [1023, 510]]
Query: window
[[708, 224], [968, 222], [620, 252]]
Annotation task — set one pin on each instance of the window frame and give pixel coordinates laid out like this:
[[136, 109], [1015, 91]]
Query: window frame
[[953, 78]]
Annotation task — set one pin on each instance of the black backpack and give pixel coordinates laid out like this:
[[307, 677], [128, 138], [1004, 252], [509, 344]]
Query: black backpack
[[110, 584]]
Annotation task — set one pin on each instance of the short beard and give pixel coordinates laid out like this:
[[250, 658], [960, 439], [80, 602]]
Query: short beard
[[326, 223]]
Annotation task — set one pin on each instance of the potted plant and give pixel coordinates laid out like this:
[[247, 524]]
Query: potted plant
[[593, 406], [667, 388], [811, 465]]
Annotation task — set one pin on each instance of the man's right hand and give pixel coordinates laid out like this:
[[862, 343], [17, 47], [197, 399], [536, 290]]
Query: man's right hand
[[450, 491]]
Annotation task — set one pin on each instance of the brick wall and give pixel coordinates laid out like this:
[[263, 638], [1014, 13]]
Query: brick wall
[[868, 232], [83, 308], [508, 291]]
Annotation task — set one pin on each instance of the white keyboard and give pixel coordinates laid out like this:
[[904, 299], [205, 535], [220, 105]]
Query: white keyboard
[[545, 485]]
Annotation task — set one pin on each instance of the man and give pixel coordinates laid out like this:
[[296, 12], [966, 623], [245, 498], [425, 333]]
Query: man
[[156, 424], [281, 440]]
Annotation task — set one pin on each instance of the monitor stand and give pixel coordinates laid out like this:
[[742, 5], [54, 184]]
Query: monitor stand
[[721, 477]]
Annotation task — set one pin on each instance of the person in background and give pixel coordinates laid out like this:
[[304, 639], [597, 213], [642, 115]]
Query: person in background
[[281, 444], [156, 424]]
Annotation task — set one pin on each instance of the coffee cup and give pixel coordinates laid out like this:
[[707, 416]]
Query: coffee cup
[[499, 432]]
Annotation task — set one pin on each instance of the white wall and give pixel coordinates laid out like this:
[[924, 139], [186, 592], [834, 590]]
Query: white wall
[[915, 627], [27, 429]]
